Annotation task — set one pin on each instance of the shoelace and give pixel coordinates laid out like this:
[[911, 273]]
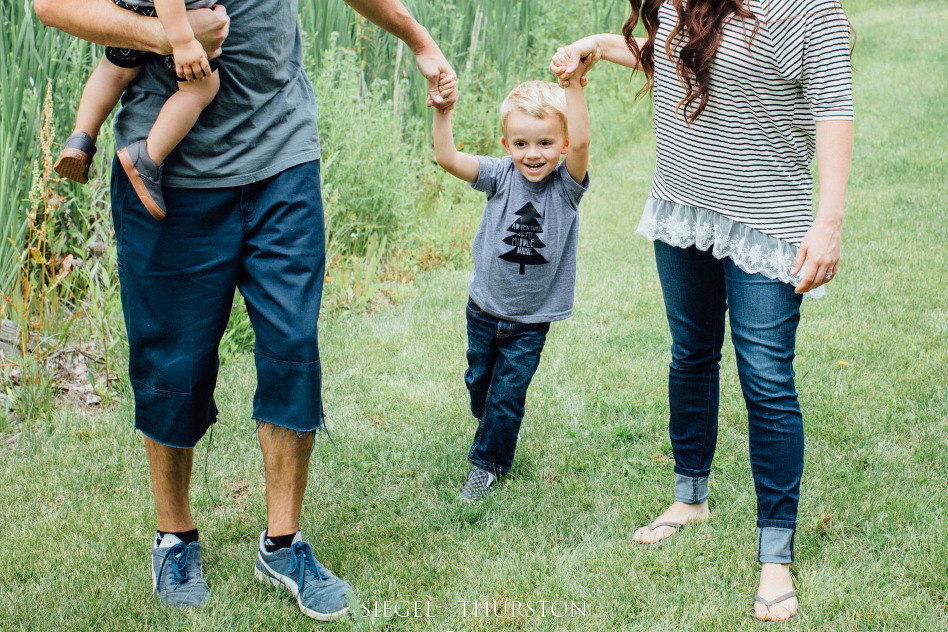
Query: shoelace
[[303, 555], [180, 557]]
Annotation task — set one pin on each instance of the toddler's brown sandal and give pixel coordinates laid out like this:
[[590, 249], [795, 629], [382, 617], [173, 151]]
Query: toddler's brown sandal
[[76, 158]]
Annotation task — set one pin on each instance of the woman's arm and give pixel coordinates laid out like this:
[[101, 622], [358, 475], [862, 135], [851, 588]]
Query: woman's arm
[[583, 54], [102, 22], [821, 246]]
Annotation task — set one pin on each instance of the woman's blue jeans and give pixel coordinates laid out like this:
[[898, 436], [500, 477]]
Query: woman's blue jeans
[[698, 289], [502, 357]]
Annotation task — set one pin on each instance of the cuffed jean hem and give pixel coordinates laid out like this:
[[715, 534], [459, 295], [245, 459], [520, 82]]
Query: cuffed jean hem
[[775, 545], [691, 489], [496, 470]]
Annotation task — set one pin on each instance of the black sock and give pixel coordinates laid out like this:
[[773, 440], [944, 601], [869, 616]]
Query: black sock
[[185, 536], [276, 542]]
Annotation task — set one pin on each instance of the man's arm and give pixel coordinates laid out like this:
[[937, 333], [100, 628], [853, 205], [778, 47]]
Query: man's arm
[[457, 163], [578, 131], [392, 16], [102, 22]]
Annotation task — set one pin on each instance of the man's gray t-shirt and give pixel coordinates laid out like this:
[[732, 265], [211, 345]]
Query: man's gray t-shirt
[[263, 120], [525, 247]]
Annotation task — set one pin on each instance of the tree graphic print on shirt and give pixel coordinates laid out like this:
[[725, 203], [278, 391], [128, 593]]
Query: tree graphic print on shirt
[[524, 239]]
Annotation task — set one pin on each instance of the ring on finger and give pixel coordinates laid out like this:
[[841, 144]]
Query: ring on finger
[[829, 275]]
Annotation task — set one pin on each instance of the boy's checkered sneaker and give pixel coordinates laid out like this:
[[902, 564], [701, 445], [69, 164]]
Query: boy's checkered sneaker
[[478, 485], [177, 573], [320, 594]]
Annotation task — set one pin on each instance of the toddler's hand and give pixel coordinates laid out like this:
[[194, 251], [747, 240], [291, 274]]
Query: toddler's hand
[[448, 88], [190, 61]]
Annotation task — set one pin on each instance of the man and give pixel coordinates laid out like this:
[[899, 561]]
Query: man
[[244, 211]]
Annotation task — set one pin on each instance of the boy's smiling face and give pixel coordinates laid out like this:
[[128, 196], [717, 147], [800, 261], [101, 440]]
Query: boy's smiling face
[[535, 144]]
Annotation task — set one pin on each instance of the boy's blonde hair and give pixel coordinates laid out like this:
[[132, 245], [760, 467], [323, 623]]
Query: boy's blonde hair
[[539, 99]]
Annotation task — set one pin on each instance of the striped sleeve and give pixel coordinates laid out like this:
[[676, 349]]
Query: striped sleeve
[[811, 46], [827, 73]]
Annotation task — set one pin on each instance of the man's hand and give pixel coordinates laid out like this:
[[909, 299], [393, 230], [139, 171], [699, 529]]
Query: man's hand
[[210, 27], [442, 83], [190, 61]]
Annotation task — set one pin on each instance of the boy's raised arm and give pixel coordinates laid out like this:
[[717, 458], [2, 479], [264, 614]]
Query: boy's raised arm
[[457, 163], [102, 22], [578, 131]]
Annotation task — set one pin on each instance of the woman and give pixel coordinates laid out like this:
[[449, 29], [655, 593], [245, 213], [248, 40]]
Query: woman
[[745, 92]]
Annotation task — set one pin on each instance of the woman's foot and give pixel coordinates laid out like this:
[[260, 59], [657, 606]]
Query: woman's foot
[[775, 583], [679, 513]]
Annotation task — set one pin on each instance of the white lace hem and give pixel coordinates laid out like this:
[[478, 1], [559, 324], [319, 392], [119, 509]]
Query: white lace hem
[[752, 251]]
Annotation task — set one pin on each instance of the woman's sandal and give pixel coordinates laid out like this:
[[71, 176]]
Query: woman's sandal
[[677, 526], [774, 602]]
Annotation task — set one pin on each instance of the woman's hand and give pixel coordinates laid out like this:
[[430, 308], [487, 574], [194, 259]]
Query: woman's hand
[[575, 60], [820, 249]]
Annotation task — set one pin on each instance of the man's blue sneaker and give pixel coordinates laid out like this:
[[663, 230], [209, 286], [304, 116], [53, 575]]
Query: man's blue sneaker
[[177, 573], [320, 594]]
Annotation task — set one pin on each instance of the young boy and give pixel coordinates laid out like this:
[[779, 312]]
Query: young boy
[[198, 83], [524, 257]]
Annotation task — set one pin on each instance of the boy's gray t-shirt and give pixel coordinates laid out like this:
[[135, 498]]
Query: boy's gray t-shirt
[[263, 120], [525, 247]]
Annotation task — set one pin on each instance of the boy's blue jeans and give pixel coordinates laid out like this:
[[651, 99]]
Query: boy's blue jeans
[[502, 357], [698, 289]]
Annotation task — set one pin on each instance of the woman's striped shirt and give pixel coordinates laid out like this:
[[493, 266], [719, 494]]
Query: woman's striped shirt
[[747, 156]]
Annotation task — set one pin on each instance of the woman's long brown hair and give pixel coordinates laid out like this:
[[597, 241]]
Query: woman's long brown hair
[[696, 37]]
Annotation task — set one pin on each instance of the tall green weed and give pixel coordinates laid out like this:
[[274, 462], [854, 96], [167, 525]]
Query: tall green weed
[[512, 40], [368, 170]]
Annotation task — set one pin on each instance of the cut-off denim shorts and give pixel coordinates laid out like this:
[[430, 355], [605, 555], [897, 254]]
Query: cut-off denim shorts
[[178, 278]]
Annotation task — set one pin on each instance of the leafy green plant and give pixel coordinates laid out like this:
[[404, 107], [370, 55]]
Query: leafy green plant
[[238, 337], [30, 56], [355, 282], [368, 180]]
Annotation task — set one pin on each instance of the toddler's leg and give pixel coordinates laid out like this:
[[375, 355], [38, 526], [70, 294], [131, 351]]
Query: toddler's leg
[[179, 114], [481, 355], [101, 93], [518, 356], [142, 159]]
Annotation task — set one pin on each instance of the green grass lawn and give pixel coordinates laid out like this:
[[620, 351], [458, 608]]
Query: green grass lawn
[[594, 460]]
